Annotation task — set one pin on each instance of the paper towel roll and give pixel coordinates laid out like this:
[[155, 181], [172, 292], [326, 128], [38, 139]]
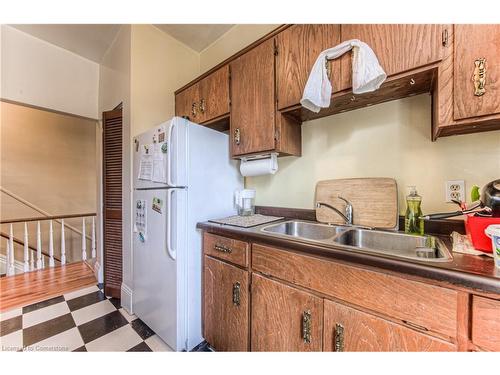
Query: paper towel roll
[[258, 167]]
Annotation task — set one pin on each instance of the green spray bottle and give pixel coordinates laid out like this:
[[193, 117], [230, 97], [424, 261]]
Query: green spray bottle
[[413, 223]]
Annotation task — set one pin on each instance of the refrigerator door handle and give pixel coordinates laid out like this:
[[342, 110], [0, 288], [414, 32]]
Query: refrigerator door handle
[[170, 250], [169, 153]]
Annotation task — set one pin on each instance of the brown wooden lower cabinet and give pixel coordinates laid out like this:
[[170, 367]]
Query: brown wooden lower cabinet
[[284, 318], [486, 323], [225, 306], [348, 329], [284, 301]]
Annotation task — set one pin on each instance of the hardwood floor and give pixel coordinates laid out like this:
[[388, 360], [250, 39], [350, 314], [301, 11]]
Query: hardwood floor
[[31, 287]]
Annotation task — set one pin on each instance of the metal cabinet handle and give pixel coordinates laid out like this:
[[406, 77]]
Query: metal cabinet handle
[[236, 293], [223, 249], [338, 338], [479, 77], [328, 69], [202, 105], [237, 136], [194, 112], [306, 326]]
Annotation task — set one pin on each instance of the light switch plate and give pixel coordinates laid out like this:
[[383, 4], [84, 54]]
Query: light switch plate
[[455, 189]]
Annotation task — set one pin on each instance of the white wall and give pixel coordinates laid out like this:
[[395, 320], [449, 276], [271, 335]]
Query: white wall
[[160, 65], [387, 140], [42, 74], [114, 88]]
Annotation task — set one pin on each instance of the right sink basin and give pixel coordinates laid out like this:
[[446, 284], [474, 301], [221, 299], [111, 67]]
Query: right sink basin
[[427, 248]]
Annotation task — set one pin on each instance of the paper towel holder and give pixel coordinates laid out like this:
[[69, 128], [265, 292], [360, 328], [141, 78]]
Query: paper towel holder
[[272, 155]]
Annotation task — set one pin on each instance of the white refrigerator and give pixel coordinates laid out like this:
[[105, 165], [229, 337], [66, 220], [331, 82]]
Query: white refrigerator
[[183, 174]]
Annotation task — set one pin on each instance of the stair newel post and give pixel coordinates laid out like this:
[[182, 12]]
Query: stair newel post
[[51, 245], [38, 247], [93, 238], [84, 241], [63, 244], [26, 249]]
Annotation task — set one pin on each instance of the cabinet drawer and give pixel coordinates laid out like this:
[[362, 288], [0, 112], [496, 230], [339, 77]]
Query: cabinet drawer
[[426, 306], [224, 248], [486, 323]]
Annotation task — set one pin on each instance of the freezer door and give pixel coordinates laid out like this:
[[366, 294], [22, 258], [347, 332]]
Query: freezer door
[[159, 156], [157, 298]]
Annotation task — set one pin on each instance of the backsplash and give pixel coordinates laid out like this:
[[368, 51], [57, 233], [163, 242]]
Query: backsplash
[[387, 140]]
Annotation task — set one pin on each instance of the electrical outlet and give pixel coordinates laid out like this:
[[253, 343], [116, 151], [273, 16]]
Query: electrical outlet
[[455, 189]]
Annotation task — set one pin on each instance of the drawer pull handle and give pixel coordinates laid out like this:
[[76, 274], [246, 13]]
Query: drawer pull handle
[[202, 105], [479, 77], [236, 293], [193, 109], [223, 249], [306, 326], [338, 342]]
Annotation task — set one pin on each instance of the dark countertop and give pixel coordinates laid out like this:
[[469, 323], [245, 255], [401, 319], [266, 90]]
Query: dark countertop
[[466, 271]]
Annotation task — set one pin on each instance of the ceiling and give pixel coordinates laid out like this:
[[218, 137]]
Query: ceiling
[[198, 37], [92, 41], [89, 41]]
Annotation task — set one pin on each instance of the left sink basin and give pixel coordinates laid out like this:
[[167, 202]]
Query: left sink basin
[[304, 230]]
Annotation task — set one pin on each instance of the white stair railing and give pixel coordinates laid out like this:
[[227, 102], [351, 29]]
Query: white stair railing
[[26, 249], [84, 241], [28, 263], [63, 244]]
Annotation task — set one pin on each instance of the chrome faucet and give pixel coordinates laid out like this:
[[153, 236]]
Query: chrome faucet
[[347, 216]]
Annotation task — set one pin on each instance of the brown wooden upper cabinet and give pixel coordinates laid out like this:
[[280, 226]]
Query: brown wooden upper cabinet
[[225, 306], [255, 125], [207, 99], [253, 105], [284, 318], [297, 50], [476, 67], [399, 48], [186, 103]]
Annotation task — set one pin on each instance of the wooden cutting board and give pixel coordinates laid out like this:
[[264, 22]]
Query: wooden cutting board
[[374, 201]]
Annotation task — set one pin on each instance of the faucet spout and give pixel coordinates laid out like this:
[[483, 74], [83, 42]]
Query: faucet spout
[[346, 218]]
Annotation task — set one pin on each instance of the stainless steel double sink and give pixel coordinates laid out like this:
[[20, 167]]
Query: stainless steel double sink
[[394, 244]]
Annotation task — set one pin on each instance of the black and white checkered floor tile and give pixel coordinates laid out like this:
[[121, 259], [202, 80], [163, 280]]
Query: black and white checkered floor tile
[[84, 320]]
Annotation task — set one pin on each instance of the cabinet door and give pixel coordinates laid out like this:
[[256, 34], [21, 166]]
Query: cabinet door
[[284, 318], [225, 306], [473, 43], [348, 329], [187, 102], [486, 323], [398, 47], [253, 101], [298, 49], [214, 95]]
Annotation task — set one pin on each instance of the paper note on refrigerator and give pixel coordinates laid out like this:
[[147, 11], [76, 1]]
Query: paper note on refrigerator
[[158, 174], [146, 163]]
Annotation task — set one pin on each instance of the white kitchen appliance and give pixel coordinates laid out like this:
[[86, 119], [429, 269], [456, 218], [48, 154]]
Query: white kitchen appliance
[[183, 174]]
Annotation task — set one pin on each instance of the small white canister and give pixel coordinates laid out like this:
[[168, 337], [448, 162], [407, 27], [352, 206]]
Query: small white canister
[[493, 232]]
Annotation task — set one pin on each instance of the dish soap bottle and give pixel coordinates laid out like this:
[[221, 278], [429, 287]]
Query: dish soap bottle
[[413, 223]]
